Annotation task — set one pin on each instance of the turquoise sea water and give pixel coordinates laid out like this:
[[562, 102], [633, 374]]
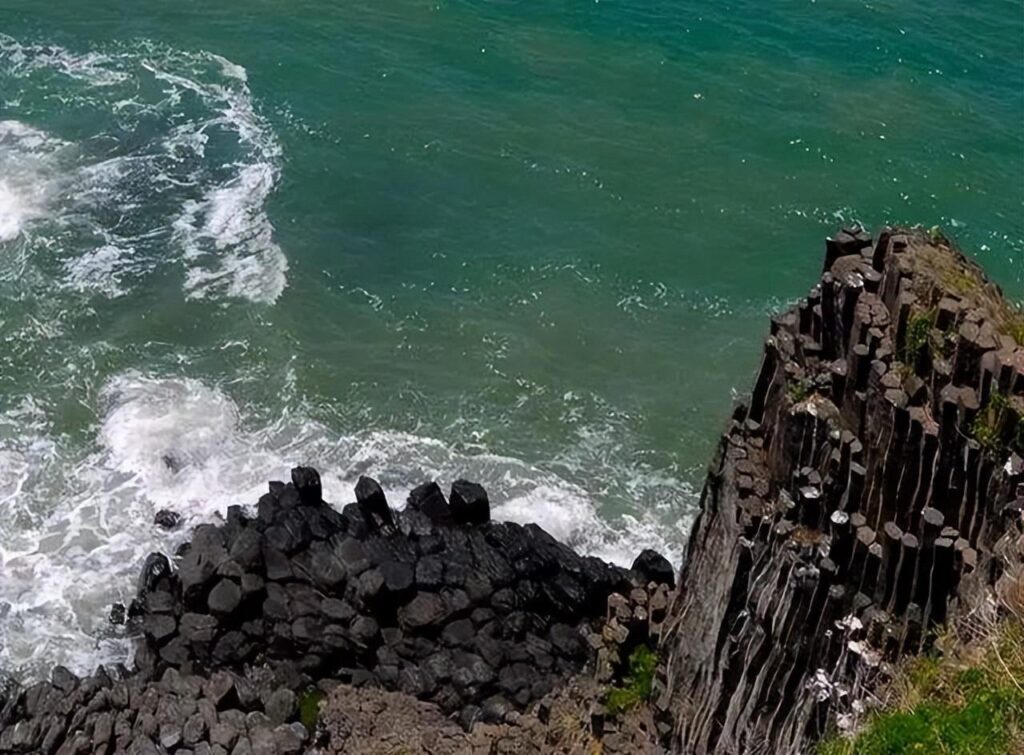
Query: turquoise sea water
[[533, 243]]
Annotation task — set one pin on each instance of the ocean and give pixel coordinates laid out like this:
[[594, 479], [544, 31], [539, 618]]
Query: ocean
[[533, 244]]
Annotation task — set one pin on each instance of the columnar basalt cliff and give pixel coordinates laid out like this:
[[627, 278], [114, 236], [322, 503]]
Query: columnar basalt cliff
[[856, 498], [854, 505]]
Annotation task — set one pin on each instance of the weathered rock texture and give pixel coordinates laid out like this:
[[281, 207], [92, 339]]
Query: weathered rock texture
[[853, 500], [371, 722]]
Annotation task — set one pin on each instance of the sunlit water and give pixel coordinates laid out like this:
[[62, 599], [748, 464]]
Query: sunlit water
[[532, 244]]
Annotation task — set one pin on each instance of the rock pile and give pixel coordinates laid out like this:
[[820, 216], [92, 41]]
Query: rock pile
[[632, 619], [130, 713], [435, 601]]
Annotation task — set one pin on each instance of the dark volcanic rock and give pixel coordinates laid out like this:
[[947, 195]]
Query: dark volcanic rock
[[307, 481], [469, 503], [429, 500], [438, 602], [426, 609], [373, 504], [224, 597], [167, 519], [840, 494], [654, 567]]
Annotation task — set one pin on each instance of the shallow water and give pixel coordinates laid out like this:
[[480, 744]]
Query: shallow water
[[532, 244]]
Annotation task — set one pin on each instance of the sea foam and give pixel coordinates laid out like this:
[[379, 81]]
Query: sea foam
[[181, 443], [202, 178]]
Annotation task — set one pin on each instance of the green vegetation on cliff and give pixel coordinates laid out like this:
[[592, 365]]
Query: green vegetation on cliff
[[636, 687], [969, 701]]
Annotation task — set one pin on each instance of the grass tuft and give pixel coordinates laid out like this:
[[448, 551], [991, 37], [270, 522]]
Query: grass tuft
[[919, 329], [309, 707], [798, 390], [637, 685]]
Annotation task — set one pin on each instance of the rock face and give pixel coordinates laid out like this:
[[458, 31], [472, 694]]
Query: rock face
[[853, 501]]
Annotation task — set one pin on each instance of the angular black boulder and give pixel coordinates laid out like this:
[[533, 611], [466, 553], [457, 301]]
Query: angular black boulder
[[373, 504], [654, 567], [469, 503], [307, 481], [154, 569], [167, 519], [428, 499]]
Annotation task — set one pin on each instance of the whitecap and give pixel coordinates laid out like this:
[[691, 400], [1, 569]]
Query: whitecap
[[180, 443], [228, 240], [210, 200], [26, 175], [99, 270]]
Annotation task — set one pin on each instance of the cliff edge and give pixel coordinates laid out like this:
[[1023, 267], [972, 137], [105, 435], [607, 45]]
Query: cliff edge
[[855, 503]]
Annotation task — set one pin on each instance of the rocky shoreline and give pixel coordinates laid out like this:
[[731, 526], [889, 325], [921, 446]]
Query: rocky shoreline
[[865, 496], [261, 613]]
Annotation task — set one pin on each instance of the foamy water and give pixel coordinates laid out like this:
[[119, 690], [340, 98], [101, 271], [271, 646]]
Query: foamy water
[[182, 444], [123, 208], [26, 157]]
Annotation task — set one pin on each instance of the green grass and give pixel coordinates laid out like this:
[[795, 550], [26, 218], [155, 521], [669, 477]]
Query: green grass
[[985, 427], [970, 702], [798, 390], [637, 685], [309, 707], [919, 328]]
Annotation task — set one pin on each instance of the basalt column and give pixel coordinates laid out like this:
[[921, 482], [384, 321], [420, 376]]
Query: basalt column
[[853, 500]]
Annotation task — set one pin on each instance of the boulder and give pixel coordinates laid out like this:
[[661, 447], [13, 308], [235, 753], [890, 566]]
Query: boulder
[[426, 609], [469, 503], [155, 567], [281, 705], [373, 504], [307, 482], [653, 567], [429, 500], [167, 519], [224, 597]]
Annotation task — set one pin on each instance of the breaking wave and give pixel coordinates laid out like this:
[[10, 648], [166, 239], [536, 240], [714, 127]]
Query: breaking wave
[[79, 527]]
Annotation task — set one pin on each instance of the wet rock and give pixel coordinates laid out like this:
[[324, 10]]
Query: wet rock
[[154, 569], [307, 481], [654, 567], [167, 519], [159, 626], [469, 503], [429, 500], [373, 504]]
